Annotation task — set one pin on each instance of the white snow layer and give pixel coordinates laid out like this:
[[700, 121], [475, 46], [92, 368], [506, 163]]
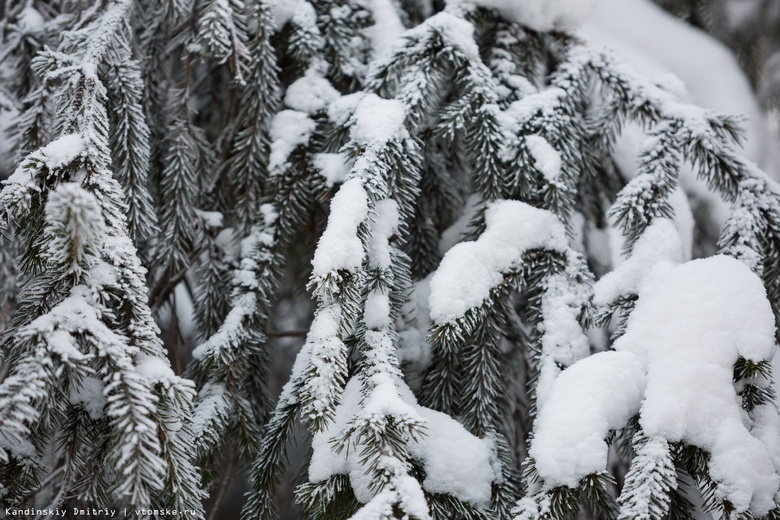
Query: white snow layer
[[339, 246], [659, 243], [455, 461], [547, 159], [289, 129], [470, 270], [311, 92], [590, 398], [540, 15], [690, 325], [710, 72]]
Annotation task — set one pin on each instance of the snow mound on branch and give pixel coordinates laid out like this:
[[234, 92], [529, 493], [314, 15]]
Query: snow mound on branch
[[660, 242], [289, 129], [590, 398], [310, 93], [470, 270], [456, 462], [376, 121], [690, 326], [340, 246], [540, 15]]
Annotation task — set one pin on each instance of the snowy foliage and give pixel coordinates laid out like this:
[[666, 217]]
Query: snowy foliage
[[498, 310]]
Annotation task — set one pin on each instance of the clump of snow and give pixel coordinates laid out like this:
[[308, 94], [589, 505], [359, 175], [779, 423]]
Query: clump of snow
[[547, 159], [563, 340], [660, 243], [387, 26], [690, 325], [540, 15], [471, 269], [289, 129], [456, 32], [590, 398], [342, 109], [298, 12], [376, 120], [333, 166], [310, 93], [90, 396], [340, 247], [155, 369], [61, 151], [385, 224], [30, 20], [455, 461]]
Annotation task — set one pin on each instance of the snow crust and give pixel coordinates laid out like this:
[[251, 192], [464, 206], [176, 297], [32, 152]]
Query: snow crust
[[540, 15], [470, 270], [339, 246]]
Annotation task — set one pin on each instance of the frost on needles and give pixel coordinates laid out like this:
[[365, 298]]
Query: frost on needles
[[501, 320]]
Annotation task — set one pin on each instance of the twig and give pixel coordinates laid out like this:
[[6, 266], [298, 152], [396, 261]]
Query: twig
[[223, 487]]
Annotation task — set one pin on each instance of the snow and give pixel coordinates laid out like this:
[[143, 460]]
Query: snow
[[61, 151], [311, 92], [455, 461], [155, 369], [90, 396], [710, 72], [563, 340], [387, 26], [30, 21], [590, 398], [342, 108], [339, 246], [658, 244], [376, 121], [690, 325], [299, 12], [455, 31], [540, 15], [213, 402], [547, 158], [333, 166], [377, 310], [470, 270], [289, 129], [385, 224]]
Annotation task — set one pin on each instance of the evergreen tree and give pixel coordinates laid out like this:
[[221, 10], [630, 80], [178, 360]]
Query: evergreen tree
[[437, 186]]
